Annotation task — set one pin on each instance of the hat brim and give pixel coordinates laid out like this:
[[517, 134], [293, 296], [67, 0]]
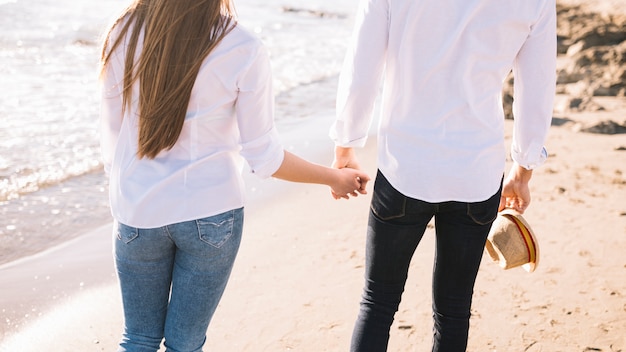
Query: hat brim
[[530, 266]]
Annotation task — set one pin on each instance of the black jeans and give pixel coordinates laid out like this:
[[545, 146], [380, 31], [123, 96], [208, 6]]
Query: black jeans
[[396, 226]]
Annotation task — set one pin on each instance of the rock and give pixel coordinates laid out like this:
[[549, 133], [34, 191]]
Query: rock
[[507, 98], [593, 48], [575, 48], [606, 127], [584, 104], [604, 34]]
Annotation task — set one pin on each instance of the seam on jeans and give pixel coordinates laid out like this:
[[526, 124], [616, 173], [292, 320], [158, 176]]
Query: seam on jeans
[[198, 229], [385, 218], [475, 220], [169, 234]]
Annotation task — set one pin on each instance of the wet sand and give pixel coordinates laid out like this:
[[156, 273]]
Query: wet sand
[[298, 276]]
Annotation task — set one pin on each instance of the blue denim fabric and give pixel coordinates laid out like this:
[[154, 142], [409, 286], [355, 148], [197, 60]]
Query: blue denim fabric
[[396, 226], [172, 279]]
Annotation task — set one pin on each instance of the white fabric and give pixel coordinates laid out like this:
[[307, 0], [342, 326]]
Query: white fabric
[[444, 63], [230, 114]]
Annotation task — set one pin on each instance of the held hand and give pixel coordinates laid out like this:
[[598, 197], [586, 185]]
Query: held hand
[[345, 158], [515, 190], [349, 182]]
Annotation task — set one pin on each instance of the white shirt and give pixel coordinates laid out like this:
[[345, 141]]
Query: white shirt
[[230, 114], [441, 133]]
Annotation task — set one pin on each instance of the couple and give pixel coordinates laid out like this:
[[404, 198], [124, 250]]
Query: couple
[[187, 90]]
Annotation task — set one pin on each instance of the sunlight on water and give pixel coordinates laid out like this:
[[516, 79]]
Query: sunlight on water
[[49, 50], [51, 183], [50, 102]]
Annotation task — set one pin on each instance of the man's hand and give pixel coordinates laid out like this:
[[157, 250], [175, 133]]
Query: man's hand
[[515, 190], [346, 158], [349, 182]]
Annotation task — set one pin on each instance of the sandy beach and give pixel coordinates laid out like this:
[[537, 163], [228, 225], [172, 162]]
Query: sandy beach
[[298, 276], [297, 280]]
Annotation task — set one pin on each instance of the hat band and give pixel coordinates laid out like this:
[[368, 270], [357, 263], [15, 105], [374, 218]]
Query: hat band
[[528, 239]]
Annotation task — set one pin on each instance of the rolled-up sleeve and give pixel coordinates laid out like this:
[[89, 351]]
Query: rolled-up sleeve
[[260, 143], [359, 82], [534, 89]]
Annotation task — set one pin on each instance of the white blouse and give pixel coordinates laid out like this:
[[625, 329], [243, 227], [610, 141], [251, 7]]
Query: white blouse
[[441, 132], [230, 114]]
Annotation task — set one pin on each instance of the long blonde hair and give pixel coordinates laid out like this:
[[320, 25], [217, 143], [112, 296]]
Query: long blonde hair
[[178, 36]]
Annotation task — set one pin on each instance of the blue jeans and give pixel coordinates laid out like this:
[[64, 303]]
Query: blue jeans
[[396, 226], [172, 279]]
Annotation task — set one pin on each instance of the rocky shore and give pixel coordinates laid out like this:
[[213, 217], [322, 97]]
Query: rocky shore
[[591, 71]]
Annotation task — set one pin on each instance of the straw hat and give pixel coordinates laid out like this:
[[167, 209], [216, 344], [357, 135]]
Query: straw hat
[[511, 242]]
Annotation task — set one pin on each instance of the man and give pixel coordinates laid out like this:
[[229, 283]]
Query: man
[[441, 149]]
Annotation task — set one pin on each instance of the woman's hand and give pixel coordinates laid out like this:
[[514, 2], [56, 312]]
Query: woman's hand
[[343, 183], [349, 182]]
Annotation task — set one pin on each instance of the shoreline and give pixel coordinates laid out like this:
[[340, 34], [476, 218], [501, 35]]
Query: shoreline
[[49, 217], [43, 219], [297, 278], [298, 275], [39, 287]]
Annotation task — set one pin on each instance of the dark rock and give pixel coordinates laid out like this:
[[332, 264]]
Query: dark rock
[[606, 127]]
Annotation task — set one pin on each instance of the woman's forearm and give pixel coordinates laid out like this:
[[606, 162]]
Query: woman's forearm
[[296, 169]]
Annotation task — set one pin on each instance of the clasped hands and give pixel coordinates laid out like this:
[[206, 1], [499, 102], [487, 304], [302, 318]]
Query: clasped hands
[[353, 181]]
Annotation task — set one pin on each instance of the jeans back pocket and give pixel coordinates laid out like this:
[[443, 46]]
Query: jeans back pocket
[[485, 212], [126, 233], [216, 230], [387, 202]]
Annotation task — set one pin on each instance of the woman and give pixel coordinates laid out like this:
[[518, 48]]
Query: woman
[[186, 91]]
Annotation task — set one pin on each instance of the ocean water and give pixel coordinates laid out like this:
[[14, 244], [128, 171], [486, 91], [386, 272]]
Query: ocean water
[[51, 183]]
